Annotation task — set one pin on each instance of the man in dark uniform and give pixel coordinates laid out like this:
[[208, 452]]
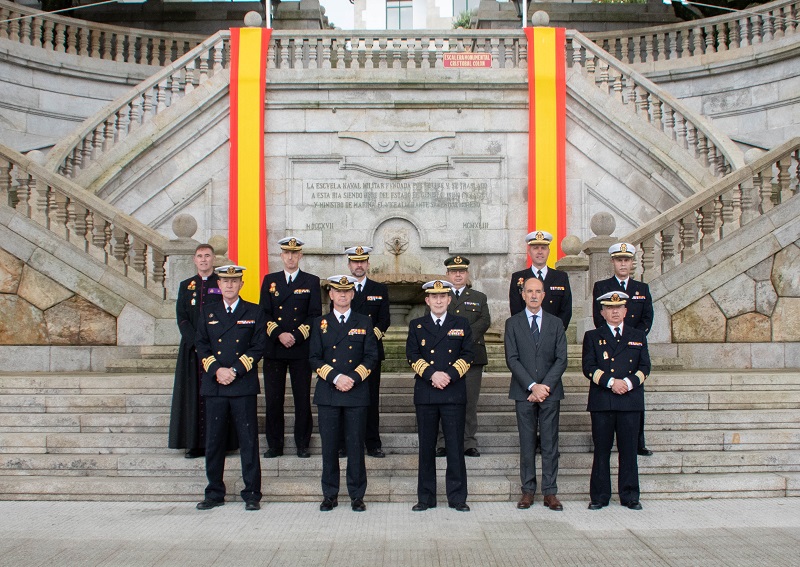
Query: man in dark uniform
[[439, 350], [371, 299], [474, 307], [639, 306], [343, 348], [230, 342], [187, 418], [617, 362], [557, 293], [291, 300]]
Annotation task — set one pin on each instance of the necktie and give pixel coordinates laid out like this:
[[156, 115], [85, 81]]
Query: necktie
[[359, 288], [535, 328], [439, 323], [458, 293], [622, 285], [616, 333], [289, 282], [539, 275], [229, 310], [341, 319]]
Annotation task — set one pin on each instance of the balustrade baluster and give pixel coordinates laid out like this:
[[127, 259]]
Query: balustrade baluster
[[708, 224], [763, 185], [59, 40], [601, 79], [591, 65], [97, 233], [783, 190], [138, 260], [508, 54], [23, 194], [69, 165], [688, 235], [382, 62], [188, 83], [147, 104], [730, 208], [83, 42], [97, 141], [25, 31], [77, 156], [5, 182], [176, 82], [4, 15], [107, 44], [413, 62], [119, 48], [698, 41], [59, 215], [204, 68], [94, 42], [668, 247], [136, 113], [522, 48], [702, 148], [37, 32], [657, 114], [312, 53], [671, 45], [617, 88], [495, 53], [326, 52], [438, 43], [686, 43], [80, 226], [108, 133], [796, 177], [710, 34], [123, 121], [648, 257], [757, 29], [284, 63], [748, 197], [299, 45], [577, 55], [120, 248], [48, 32], [71, 34], [159, 271], [41, 204]]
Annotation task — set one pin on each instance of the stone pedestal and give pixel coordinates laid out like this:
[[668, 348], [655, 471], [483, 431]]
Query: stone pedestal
[[577, 268], [303, 15]]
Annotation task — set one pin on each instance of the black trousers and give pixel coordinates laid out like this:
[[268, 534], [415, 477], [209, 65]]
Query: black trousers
[[452, 420], [605, 425], [332, 421], [242, 411], [641, 444], [274, 393], [372, 440]]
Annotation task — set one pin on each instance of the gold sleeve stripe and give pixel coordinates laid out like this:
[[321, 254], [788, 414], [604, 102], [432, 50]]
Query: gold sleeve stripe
[[208, 361], [362, 371], [641, 376], [247, 361], [596, 376], [378, 333], [419, 366], [462, 366], [324, 370], [271, 326], [305, 330]]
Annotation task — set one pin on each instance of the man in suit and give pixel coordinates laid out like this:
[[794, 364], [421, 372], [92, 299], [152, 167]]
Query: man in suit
[[473, 306], [617, 362], [536, 354], [558, 295], [639, 306], [439, 350], [187, 418], [291, 300], [371, 299], [343, 350], [230, 342]]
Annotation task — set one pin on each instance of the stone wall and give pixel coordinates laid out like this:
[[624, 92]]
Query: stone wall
[[38, 311]]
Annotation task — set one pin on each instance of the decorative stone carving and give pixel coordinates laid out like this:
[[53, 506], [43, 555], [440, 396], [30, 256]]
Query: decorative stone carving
[[736, 297], [41, 291], [786, 320], [21, 323], [785, 272], [700, 322], [78, 322], [384, 142], [10, 272], [749, 328]]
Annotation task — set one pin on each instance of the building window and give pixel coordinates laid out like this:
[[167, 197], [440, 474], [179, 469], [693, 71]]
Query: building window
[[399, 15], [461, 6]]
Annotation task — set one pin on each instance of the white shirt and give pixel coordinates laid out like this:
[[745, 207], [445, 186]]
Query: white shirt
[[625, 281], [338, 318], [441, 318], [232, 305], [460, 290], [293, 275], [627, 380], [535, 271], [538, 324]]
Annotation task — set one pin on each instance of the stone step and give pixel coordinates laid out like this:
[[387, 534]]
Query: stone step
[[396, 488]]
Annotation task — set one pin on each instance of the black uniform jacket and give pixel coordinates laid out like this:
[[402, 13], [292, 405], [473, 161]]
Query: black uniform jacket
[[373, 301], [193, 294], [233, 340], [557, 293], [290, 309], [430, 349], [473, 306], [350, 349], [604, 358], [640, 304]]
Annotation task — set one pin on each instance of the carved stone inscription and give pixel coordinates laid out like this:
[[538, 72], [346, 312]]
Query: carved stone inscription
[[395, 194]]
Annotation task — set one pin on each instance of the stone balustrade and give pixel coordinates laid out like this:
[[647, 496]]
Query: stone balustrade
[[703, 219], [761, 24], [652, 103], [79, 37], [114, 239]]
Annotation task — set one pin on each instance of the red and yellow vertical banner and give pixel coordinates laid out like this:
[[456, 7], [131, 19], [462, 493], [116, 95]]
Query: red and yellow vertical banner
[[547, 90], [247, 211]]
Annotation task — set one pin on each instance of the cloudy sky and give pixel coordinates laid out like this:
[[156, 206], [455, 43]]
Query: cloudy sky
[[340, 12]]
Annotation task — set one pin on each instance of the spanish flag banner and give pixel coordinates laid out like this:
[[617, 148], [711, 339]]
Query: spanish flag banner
[[547, 88], [247, 213]]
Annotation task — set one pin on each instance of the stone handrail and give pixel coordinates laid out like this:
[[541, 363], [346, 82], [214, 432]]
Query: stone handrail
[[99, 133], [703, 219], [92, 225], [760, 24], [79, 37], [690, 130]]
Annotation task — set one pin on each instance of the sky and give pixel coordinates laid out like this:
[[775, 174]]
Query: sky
[[340, 12]]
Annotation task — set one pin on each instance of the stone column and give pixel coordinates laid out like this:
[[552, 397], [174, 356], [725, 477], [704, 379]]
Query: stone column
[[596, 248], [577, 267], [180, 264]]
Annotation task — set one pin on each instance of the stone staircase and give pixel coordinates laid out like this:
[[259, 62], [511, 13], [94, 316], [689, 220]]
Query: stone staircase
[[103, 437]]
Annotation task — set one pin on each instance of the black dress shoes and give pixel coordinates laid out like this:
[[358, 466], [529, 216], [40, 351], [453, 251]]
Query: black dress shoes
[[441, 452], [596, 505], [303, 453], [328, 504], [272, 453], [209, 504], [358, 505], [472, 452], [252, 505], [421, 507], [459, 506], [645, 452], [195, 453], [377, 453], [633, 505]]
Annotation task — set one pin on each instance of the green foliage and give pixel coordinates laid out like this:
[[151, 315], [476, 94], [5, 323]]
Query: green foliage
[[462, 21]]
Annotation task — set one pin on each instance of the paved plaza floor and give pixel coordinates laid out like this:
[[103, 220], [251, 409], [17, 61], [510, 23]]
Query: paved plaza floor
[[762, 532]]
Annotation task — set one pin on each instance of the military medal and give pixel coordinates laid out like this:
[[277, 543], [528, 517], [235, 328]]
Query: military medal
[[422, 343], [193, 301], [605, 355]]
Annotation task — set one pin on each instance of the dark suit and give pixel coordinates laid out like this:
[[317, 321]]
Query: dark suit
[[431, 349], [542, 362], [557, 293], [606, 357], [350, 349], [474, 307], [236, 341], [289, 309], [639, 315], [187, 418], [373, 301]]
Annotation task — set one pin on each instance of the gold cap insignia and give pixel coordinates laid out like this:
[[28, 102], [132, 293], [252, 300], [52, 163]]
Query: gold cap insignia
[[343, 280], [458, 260], [360, 250], [623, 247], [231, 270], [615, 297], [293, 242], [438, 285]]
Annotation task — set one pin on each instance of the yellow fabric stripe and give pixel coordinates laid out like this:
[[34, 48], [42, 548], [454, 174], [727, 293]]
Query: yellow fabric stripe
[[271, 326], [247, 361], [596, 376], [419, 366], [641, 376], [461, 366], [378, 333], [305, 330], [208, 361], [362, 371], [324, 370]]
